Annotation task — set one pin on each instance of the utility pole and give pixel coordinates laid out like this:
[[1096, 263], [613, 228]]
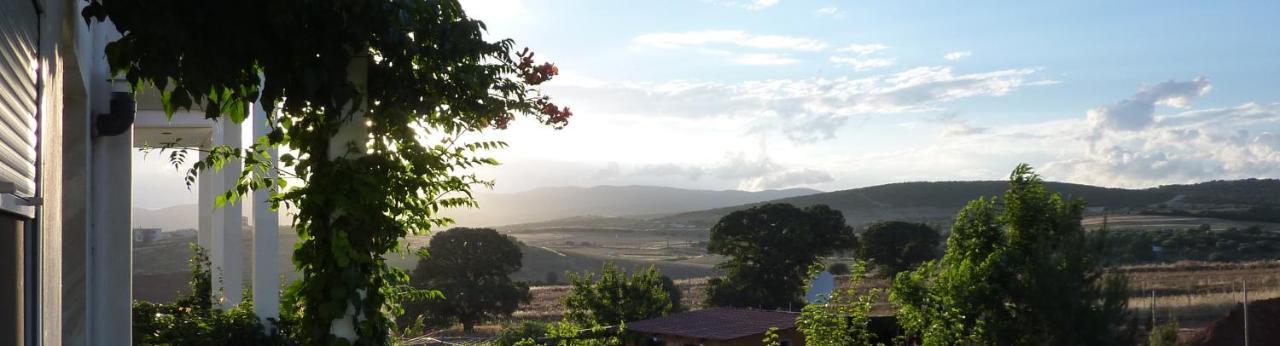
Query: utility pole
[[1244, 285], [1153, 309]]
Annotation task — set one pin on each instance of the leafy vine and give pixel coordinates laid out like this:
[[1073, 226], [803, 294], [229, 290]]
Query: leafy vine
[[415, 75]]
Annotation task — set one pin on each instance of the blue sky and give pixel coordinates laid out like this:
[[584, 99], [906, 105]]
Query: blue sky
[[760, 94]]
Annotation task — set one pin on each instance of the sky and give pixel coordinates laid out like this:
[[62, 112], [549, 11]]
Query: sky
[[831, 95]]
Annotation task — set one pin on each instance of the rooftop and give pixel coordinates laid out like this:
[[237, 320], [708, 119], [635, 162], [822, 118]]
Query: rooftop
[[716, 323]]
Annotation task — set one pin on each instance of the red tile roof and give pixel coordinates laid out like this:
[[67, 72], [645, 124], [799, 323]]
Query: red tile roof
[[716, 323]]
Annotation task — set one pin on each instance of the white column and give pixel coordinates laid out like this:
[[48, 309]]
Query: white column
[[266, 232], [110, 239], [355, 132], [204, 206], [226, 250]]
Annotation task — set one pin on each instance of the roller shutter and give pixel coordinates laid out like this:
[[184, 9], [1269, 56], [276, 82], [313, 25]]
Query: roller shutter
[[18, 34]]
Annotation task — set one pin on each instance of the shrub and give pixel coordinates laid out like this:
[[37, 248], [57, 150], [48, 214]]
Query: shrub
[[192, 320], [1164, 334]]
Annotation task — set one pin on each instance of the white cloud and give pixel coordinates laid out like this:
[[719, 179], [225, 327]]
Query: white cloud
[[955, 126], [829, 11], [957, 55], [860, 64], [753, 5], [863, 49], [494, 10], [859, 61], [764, 59], [736, 38], [1138, 111], [750, 173], [804, 110], [786, 179]]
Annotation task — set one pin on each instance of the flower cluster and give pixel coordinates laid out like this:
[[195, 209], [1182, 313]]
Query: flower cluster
[[534, 75]]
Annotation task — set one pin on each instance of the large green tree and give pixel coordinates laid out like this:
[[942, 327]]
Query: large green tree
[[1018, 270], [472, 268], [895, 246], [770, 249], [401, 81], [614, 297]]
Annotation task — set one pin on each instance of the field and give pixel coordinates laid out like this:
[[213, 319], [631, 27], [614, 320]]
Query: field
[[1157, 222]]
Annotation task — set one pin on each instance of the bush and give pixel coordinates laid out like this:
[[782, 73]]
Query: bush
[[512, 334], [1164, 334], [192, 320], [614, 297]]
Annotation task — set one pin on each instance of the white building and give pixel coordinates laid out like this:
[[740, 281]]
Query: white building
[[65, 194]]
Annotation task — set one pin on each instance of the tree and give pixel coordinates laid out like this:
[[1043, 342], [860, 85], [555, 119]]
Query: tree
[[895, 246], [370, 98], [770, 249], [673, 291], [1018, 270], [844, 318], [472, 268], [615, 298], [838, 269]]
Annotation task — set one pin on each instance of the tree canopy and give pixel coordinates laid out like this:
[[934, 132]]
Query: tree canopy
[[895, 246], [615, 298], [407, 77], [769, 250], [1018, 270], [472, 268]]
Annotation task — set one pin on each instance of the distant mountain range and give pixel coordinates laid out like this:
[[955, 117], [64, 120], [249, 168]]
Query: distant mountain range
[[552, 203], [170, 218], [544, 204], [616, 206]]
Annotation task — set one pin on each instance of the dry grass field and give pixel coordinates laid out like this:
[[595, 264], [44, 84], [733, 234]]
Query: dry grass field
[[1194, 292]]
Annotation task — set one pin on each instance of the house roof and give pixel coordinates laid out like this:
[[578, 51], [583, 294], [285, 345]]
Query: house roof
[[716, 323]]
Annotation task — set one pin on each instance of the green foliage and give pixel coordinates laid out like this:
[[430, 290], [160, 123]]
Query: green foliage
[[417, 74], [514, 333], [1017, 271], [472, 268], [1127, 246], [896, 246], [567, 333], [191, 319], [770, 249], [615, 298], [845, 316], [1164, 334], [771, 337]]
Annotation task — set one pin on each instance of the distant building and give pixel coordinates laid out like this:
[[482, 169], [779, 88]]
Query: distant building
[[145, 235], [181, 233], [716, 327]]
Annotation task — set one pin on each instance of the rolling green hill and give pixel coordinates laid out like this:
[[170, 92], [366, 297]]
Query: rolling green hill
[[939, 201]]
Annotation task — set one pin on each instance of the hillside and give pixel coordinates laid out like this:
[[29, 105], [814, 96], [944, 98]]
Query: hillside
[[939, 201], [552, 203], [542, 204]]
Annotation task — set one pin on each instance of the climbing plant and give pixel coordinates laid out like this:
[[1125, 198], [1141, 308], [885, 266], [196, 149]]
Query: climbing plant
[[408, 77]]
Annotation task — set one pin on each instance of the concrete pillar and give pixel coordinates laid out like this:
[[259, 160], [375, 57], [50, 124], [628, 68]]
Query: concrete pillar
[[266, 233], [204, 206], [110, 239], [226, 253], [111, 252]]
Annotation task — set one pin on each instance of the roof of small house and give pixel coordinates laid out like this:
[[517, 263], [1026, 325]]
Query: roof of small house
[[716, 323]]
